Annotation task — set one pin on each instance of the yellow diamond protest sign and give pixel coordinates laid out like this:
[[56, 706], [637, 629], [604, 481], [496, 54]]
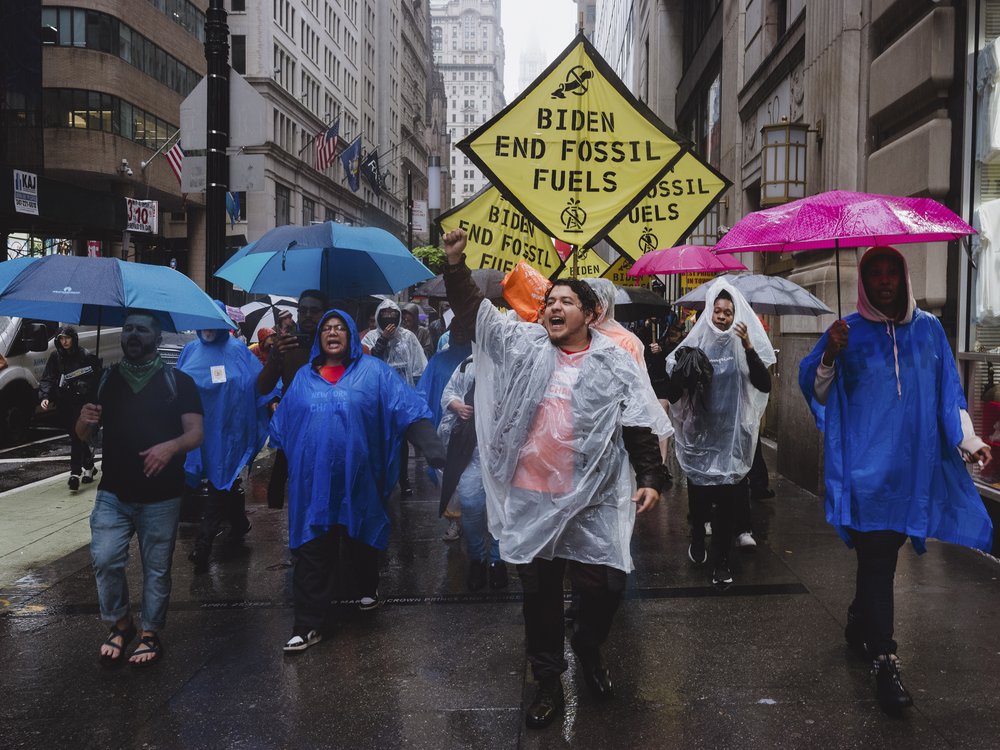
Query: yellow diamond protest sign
[[575, 149], [670, 209], [499, 235], [588, 265], [617, 274]]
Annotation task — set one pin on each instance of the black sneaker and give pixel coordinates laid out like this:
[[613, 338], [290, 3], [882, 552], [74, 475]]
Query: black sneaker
[[892, 696], [88, 475], [74, 482], [498, 575], [199, 556], [549, 702], [476, 579], [236, 534], [721, 575]]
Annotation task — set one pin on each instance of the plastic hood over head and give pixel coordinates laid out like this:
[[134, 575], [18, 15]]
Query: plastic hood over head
[[549, 428], [866, 309], [403, 351], [352, 329], [606, 323], [235, 421], [716, 432], [387, 304]]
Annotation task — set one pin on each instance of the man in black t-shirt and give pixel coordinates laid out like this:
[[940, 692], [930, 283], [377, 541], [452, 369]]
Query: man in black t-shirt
[[152, 417]]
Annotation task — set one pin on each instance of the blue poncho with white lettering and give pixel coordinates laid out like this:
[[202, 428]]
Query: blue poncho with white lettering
[[891, 460], [437, 374], [235, 424], [342, 443]]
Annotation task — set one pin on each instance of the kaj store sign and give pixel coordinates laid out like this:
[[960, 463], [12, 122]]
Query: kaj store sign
[[576, 149]]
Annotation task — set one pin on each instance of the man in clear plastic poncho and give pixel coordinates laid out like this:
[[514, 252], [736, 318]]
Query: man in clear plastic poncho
[[715, 428], [341, 422], [560, 413], [884, 389], [225, 372]]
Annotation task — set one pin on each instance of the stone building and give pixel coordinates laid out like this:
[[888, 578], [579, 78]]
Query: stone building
[[468, 48], [885, 97]]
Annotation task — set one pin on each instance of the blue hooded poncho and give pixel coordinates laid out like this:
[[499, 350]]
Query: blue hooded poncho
[[225, 372], [891, 435], [342, 443], [439, 370]]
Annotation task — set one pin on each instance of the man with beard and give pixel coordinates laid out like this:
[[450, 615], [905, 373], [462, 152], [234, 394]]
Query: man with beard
[[288, 353], [152, 417], [235, 425], [560, 412]]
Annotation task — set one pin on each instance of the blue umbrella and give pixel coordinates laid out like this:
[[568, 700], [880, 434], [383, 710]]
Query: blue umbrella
[[99, 291], [342, 261]]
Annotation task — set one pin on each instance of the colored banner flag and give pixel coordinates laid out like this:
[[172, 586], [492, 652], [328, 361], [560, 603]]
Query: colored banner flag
[[499, 235], [588, 265], [327, 142], [371, 172], [670, 209], [175, 158], [575, 149], [233, 208], [350, 157]]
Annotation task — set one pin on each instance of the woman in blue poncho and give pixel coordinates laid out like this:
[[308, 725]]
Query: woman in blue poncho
[[341, 423], [885, 391]]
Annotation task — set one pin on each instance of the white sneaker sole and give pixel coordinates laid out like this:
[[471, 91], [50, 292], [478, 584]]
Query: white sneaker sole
[[297, 643]]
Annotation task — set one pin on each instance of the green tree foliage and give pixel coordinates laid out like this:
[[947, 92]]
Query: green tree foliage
[[431, 256]]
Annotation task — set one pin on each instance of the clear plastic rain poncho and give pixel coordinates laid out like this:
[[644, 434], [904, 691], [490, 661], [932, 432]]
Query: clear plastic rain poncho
[[557, 477], [716, 432], [610, 327], [405, 355]]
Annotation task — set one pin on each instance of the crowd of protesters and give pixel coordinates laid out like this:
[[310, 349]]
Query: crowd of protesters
[[547, 437]]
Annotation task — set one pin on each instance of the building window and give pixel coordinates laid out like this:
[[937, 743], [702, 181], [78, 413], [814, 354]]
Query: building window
[[282, 205], [238, 46], [308, 211], [238, 6], [93, 110]]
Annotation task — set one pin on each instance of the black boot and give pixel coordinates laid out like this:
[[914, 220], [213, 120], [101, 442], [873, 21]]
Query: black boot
[[892, 696], [548, 703], [594, 672]]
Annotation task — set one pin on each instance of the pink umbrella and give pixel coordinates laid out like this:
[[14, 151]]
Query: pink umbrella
[[843, 219], [684, 259]]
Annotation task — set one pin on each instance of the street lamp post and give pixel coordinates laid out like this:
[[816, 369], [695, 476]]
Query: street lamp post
[[217, 141]]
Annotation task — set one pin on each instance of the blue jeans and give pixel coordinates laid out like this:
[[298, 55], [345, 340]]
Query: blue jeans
[[472, 497], [112, 524]]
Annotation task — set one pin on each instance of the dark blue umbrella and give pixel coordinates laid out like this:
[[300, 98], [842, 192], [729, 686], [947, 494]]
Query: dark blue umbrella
[[342, 261], [99, 291]]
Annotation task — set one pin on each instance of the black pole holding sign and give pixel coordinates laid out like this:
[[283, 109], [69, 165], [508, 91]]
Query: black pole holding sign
[[409, 211], [217, 141]]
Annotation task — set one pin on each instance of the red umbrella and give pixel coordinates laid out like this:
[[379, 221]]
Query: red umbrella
[[843, 219], [684, 259]]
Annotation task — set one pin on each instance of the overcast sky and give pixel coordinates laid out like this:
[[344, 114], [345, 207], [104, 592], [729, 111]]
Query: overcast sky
[[548, 24]]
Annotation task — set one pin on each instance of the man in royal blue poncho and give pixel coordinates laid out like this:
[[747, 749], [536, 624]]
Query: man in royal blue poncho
[[341, 423], [225, 371], [896, 429]]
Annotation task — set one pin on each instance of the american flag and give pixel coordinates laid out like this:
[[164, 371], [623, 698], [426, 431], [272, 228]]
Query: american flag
[[326, 146], [175, 157]]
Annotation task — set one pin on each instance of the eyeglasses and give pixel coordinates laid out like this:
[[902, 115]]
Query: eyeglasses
[[335, 328]]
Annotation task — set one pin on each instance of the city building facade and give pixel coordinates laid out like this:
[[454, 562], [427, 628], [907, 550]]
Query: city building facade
[[883, 94], [468, 48]]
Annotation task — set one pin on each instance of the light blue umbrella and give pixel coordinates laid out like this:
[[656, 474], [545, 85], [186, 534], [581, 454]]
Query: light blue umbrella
[[340, 260], [99, 291], [767, 295]]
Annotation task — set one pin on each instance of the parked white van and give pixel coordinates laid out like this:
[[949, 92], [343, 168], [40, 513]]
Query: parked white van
[[25, 346]]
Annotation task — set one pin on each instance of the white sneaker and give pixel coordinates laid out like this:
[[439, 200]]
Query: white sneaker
[[745, 540], [300, 643], [453, 532], [708, 529], [88, 475], [366, 603]]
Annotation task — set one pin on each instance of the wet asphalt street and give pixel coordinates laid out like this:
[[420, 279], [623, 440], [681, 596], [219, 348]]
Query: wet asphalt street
[[763, 664]]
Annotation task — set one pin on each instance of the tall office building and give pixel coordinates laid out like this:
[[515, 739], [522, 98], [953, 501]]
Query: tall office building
[[467, 41]]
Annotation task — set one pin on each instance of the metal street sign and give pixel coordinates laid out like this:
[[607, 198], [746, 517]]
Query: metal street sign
[[576, 149], [670, 209], [499, 235], [247, 115]]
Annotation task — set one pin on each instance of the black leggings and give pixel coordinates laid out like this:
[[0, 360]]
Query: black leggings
[[727, 506], [872, 607]]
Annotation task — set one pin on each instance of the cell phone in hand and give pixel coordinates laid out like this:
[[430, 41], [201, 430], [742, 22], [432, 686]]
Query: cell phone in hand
[[305, 340]]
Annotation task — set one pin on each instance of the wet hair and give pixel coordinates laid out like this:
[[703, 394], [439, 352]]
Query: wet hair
[[588, 298], [157, 326], [317, 295]]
